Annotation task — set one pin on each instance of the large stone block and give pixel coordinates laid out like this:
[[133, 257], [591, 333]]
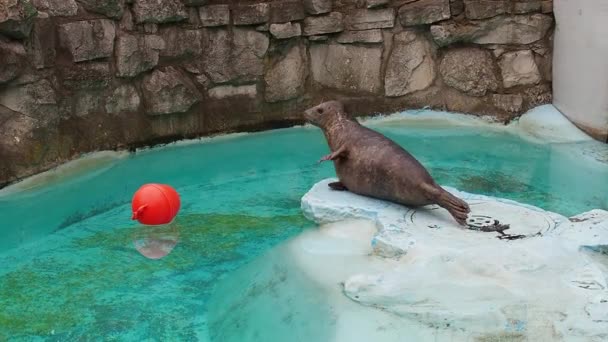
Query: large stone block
[[214, 15], [367, 36], [37, 100], [286, 77], [286, 10], [287, 30], [424, 12], [370, 19], [248, 53], [180, 43], [85, 103], [89, 39], [250, 14], [483, 9], [155, 11], [318, 6], [57, 8], [12, 59], [518, 29], [41, 44], [16, 18], [229, 91], [410, 66], [347, 67], [124, 98], [519, 68], [167, 91], [137, 53], [110, 8], [330, 23], [86, 75], [470, 70], [217, 55]]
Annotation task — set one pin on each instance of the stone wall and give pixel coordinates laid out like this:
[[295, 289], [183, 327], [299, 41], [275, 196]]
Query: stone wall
[[85, 75]]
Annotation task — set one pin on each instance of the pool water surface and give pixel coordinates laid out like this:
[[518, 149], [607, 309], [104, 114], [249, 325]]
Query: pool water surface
[[70, 269]]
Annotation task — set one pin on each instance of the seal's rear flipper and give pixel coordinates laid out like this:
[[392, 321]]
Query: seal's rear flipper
[[458, 208]]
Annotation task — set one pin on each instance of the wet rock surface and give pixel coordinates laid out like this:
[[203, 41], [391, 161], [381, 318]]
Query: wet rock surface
[[166, 91]]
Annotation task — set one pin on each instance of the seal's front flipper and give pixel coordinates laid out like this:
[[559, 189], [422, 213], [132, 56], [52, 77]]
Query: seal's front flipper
[[338, 186], [339, 153]]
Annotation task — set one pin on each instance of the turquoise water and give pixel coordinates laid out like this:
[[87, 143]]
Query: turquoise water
[[70, 269]]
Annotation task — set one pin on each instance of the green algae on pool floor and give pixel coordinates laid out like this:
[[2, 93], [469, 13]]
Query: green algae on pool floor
[[98, 286]]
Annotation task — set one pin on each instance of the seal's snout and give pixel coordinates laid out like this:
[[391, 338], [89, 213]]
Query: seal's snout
[[323, 113], [313, 115]]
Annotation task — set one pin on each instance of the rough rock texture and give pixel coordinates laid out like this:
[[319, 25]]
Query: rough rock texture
[[479, 9], [371, 19], [424, 12], [154, 11], [57, 8], [181, 43], [287, 30], [12, 60], [88, 40], [137, 53], [410, 67], [286, 11], [110, 8], [469, 70], [376, 3], [507, 102], [248, 54], [330, 23], [217, 55], [42, 43], [519, 68], [250, 14], [166, 91], [318, 6], [348, 67], [285, 79], [77, 65], [520, 29], [214, 15], [125, 98], [367, 36], [37, 100], [16, 18], [229, 91]]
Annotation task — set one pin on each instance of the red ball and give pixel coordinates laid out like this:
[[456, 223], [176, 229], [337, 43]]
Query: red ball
[[155, 204]]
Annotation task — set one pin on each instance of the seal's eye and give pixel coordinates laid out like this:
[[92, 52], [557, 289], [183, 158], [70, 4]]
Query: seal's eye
[[320, 110]]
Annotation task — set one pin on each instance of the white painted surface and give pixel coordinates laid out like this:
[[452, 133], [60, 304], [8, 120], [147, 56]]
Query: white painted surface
[[580, 62]]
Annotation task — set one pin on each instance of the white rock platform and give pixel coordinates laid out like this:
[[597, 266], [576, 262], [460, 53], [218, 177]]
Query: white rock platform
[[550, 284]]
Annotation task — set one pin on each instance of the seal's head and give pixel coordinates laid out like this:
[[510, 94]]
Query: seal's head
[[325, 114]]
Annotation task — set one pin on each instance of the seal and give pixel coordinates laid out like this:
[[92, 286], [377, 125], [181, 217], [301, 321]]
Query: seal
[[369, 164]]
